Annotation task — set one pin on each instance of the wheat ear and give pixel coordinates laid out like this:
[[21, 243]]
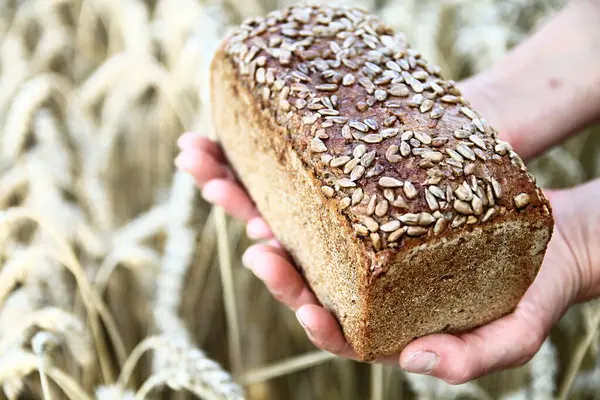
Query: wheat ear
[[189, 368], [15, 270], [91, 301], [32, 95], [177, 257], [11, 182], [14, 69], [15, 365], [55, 320], [134, 25]]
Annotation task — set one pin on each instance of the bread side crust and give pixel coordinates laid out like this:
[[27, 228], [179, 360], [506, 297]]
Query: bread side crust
[[310, 227], [456, 283]]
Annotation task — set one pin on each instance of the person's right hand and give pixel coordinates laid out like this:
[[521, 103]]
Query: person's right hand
[[524, 96]]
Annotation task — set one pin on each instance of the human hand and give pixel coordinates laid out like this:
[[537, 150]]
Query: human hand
[[570, 270]]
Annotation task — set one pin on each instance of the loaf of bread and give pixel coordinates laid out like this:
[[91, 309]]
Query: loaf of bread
[[402, 208]]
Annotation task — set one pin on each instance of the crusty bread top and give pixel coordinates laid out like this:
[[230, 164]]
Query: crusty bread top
[[396, 146]]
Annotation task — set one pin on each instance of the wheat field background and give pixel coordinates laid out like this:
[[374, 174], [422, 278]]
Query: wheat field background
[[118, 282]]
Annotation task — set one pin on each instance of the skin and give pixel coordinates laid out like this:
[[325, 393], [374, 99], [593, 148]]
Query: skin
[[541, 93]]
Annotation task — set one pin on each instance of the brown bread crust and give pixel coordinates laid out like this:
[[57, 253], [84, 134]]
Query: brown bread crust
[[374, 172]]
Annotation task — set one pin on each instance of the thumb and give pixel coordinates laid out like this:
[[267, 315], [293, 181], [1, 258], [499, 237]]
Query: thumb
[[514, 339]]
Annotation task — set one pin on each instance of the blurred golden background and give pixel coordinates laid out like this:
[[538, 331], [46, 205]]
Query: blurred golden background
[[104, 247]]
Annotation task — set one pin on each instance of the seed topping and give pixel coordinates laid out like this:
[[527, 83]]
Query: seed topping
[[410, 191], [390, 226], [354, 88], [388, 182], [522, 200]]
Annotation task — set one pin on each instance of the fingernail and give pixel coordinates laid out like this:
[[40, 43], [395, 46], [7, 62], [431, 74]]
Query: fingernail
[[253, 229], [208, 195], [303, 324], [184, 140], [247, 260], [181, 162], [421, 362], [250, 262], [178, 161]]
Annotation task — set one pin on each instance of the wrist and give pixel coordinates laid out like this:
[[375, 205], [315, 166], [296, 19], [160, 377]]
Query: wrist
[[549, 86]]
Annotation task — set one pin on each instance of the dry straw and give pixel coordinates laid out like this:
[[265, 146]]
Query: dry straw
[[107, 254]]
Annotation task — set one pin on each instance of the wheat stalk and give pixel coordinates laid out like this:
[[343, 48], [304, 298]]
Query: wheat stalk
[[41, 343], [189, 368], [54, 320], [153, 342], [586, 382], [68, 385], [377, 382], [579, 354], [234, 339], [286, 367]]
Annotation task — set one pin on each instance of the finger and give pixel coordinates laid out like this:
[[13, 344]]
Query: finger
[[258, 228], [201, 165], [230, 195], [505, 343], [192, 140], [272, 266], [324, 331]]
